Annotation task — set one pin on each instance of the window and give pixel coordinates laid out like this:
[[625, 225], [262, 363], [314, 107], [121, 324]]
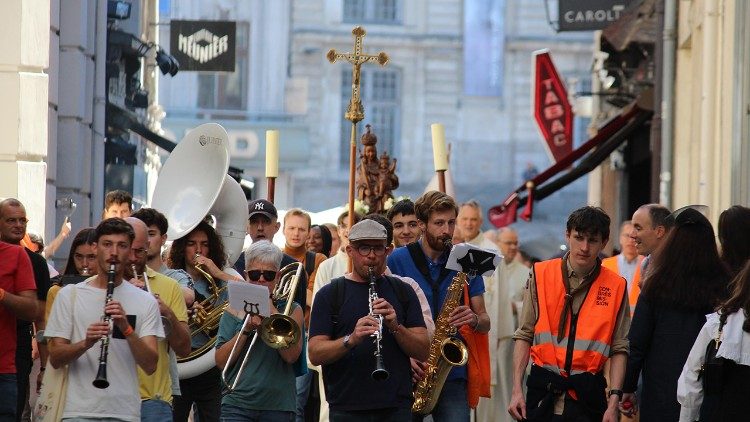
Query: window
[[387, 12], [380, 90], [223, 90]]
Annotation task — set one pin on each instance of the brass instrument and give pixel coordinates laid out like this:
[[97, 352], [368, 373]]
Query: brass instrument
[[446, 351], [101, 375], [278, 331], [206, 318], [380, 373], [214, 194]]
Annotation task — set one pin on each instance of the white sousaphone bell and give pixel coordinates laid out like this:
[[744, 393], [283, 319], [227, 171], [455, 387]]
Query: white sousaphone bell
[[192, 184]]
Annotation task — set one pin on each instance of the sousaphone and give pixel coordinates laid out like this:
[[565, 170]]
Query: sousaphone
[[193, 184]]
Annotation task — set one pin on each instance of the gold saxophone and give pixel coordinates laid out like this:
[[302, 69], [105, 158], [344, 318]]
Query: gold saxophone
[[446, 351]]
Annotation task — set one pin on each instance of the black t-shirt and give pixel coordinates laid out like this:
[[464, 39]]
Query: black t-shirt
[[348, 381], [43, 283]]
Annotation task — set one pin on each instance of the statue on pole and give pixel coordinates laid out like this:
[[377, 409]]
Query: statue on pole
[[375, 177]]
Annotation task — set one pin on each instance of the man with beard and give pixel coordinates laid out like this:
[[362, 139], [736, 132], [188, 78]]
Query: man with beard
[[342, 326], [425, 262], [157, 389]]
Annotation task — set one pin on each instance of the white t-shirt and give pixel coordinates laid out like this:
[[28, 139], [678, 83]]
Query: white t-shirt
[[121, 399]]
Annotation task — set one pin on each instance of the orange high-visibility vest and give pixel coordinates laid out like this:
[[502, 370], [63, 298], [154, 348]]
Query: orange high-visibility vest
[[596, 322], [635, 290]]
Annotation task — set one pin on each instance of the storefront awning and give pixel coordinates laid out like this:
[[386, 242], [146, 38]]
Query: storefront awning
[[591, 154]]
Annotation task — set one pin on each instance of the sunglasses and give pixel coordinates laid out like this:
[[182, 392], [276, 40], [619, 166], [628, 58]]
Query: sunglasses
[[254, 275]]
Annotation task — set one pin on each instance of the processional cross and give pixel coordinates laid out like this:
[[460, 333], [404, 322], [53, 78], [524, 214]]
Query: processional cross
[[355, 112]]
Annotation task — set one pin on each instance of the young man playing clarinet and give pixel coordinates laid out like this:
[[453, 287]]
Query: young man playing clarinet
[[76, 328]]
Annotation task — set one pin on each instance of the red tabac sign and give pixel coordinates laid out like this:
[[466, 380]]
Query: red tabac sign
[[552, 111]]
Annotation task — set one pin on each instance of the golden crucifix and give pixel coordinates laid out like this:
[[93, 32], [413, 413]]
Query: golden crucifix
[[355, 112]]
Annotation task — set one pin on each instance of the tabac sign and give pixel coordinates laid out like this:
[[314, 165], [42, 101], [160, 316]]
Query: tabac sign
[[552, 111], [203, 45]]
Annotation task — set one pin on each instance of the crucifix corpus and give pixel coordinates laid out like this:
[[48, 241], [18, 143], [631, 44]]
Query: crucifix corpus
[[355, 112]]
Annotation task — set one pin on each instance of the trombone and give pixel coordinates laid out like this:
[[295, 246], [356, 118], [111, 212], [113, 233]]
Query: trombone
[[278, 331]]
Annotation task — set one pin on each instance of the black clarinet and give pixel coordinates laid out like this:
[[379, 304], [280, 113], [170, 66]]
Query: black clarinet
[[380, 373], [101, 375]]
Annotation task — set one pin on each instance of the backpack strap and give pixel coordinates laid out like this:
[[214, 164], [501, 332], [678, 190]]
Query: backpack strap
[[339, 286], [420, 261], [398, 286]]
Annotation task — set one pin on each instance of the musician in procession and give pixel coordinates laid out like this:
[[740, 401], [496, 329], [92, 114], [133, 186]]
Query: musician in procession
[[343, 325], [201, 251], [76, 329], [156, 389], [424, 261], [265, 390]]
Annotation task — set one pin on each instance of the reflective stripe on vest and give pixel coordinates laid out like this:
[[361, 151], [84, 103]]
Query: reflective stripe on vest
[[596, 323], [635, 289]]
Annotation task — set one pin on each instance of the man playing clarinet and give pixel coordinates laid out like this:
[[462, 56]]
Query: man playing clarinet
[[77, 333], [364, 327]]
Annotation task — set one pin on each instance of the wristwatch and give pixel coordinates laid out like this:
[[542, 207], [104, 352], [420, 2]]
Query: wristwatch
[[346, 341], [40, 338], [615, 392]]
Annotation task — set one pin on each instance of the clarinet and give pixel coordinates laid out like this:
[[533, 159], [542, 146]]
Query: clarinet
[[380, 373], [101, 375]]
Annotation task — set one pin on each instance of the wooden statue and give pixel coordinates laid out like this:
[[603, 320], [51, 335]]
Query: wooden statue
[[376, 178]]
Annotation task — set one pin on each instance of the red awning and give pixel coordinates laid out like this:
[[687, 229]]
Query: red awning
[[610, 136]]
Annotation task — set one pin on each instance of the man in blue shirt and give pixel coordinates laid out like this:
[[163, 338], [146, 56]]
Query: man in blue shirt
[[424, 261]]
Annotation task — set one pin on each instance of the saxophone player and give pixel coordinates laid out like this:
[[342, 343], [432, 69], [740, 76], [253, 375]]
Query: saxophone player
[[424, 261], [342, 329]]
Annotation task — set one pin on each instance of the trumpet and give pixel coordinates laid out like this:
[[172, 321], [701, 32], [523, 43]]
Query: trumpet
[[380, 373], [278, 331], [101, 375]]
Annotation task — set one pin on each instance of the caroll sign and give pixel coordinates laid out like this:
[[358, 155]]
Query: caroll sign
[[588, 15], [552, 110]]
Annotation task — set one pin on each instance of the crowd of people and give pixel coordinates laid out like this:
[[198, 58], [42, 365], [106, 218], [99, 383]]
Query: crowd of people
[[656, 332]]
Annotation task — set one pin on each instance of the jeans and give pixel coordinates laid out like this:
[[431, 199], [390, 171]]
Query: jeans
[[231, 413], [156, 411], [452, 405], [375, 415], [9, 394], [303, 392]]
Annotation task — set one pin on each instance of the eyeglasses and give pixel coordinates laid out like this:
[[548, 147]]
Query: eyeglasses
[[140, 252], [365, 250], [254, 275]]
